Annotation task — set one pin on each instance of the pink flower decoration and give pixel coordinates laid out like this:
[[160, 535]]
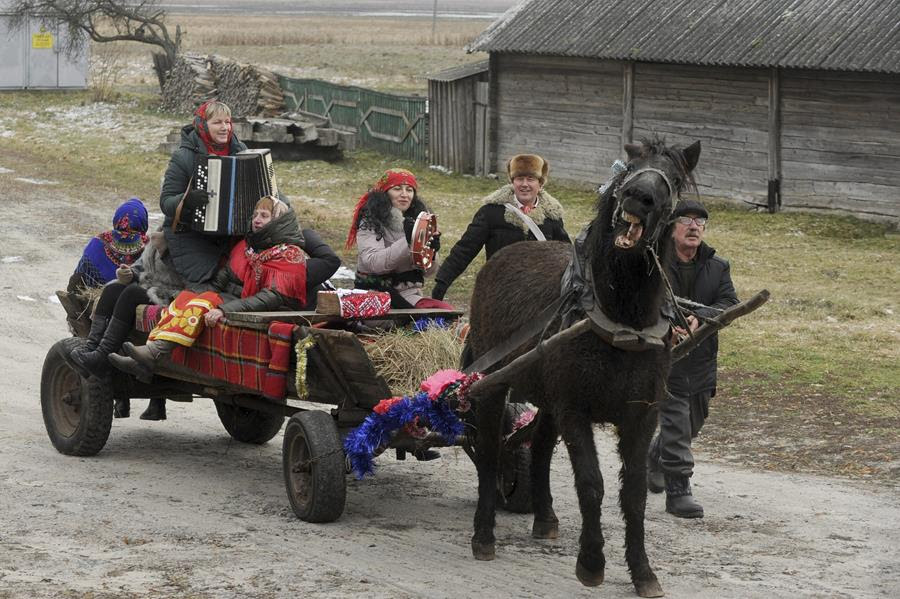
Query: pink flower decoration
[[437, 382]]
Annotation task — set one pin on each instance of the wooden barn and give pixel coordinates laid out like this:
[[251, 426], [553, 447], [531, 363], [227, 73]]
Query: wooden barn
[[796, 102]]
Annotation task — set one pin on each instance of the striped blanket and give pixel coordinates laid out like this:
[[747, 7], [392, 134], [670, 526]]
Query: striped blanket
[[255, 359]]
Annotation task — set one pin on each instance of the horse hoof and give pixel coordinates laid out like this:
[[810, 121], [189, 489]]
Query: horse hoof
[[541, 529], [648, 588], [483, 551], [586, 577]]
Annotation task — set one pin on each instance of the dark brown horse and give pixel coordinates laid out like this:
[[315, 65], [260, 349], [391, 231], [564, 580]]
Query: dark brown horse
[[586, 380]]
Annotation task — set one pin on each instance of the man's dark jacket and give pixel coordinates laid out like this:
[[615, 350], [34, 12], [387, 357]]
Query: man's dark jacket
[[493, 227], [712, 287]]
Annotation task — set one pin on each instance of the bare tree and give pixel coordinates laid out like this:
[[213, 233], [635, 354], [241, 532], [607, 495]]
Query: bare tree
[[106, 21]]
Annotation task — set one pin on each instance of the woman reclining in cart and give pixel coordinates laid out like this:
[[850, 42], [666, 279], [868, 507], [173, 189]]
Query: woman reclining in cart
[[382, 228], [268, 270]]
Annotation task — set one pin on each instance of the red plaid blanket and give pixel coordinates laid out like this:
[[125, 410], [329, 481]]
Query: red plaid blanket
[[256, 359]]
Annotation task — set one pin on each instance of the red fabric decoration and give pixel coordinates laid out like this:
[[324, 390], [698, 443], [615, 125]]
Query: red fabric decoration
[[364, 304], [281, 267], [391, 178]]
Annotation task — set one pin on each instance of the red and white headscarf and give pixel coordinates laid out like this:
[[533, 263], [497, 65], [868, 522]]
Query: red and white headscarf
[[391, 178], [202, 129]]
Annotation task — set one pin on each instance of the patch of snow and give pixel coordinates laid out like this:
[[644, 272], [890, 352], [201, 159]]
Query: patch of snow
[[440, 169], [4, 170], [25, 298], [11, 259], [53, 299], [155, 215], [343, 274], [36, 181]]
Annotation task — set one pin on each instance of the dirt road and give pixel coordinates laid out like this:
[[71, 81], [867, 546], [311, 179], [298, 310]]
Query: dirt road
[[177, 509]]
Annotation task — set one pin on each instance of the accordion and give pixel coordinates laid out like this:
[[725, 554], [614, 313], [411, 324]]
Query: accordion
[[235, 184]]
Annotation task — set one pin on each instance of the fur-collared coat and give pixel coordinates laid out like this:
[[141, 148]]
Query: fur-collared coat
[[494, 227], [387, 252], [156, 274]]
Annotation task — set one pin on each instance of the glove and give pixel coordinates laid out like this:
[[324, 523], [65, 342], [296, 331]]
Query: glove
[[439, 291], [408, 224], [435, 242], [196, 198], [124, 274]]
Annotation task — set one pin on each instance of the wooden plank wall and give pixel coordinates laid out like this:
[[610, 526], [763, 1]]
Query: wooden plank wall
[[568, 110], [725, 108], [452, 124], [841, 142]]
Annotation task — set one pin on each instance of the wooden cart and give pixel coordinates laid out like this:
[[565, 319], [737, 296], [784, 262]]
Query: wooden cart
[[78, 413]]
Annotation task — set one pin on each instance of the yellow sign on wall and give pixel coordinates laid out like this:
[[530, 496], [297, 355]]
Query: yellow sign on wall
[[42, 40]]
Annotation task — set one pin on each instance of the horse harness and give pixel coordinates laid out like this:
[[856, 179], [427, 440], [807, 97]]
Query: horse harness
[[578, 298]]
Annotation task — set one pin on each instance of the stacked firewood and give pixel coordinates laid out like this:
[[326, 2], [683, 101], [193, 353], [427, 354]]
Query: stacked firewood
[[188, 84], [248, 90]]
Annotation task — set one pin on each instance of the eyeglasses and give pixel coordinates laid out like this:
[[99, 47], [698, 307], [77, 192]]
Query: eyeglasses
[[686, 220]]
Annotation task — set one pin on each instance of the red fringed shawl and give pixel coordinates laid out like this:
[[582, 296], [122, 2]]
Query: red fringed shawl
[[282, 268]]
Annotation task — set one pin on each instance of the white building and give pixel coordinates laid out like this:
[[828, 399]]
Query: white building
[[31, 57]]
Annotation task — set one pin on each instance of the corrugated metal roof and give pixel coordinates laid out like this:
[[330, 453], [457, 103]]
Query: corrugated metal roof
[[847, 35], [459, 72]]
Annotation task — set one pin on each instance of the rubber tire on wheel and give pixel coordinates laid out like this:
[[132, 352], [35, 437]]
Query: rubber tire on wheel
[[314, 467], [78, 413], [514, 477], [247, 425]]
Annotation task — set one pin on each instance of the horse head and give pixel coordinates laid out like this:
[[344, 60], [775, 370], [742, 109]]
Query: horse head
[[645, 196]]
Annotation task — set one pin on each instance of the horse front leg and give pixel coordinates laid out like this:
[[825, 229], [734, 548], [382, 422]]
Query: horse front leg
[[578, 435], [546, 524], [489, 417], [633, 446]]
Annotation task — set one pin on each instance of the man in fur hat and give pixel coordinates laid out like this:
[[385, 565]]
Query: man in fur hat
[[518, 211]]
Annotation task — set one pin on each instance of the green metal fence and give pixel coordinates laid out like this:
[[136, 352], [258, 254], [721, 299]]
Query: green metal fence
[[396, 125]]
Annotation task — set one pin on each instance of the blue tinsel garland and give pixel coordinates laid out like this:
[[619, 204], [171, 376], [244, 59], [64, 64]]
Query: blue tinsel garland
[[361, 444]]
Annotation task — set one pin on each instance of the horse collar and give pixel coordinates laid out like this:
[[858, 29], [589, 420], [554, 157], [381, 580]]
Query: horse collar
[[579, 286]]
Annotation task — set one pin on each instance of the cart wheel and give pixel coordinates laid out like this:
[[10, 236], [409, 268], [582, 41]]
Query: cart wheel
[[249, 426], [77, 413], [314, 467], [514, 478]]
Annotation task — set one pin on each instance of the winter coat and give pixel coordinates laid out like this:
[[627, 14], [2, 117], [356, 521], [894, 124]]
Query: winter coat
[[196, 256], [321, 263], [712, 287], [494, 227], [387, 252]]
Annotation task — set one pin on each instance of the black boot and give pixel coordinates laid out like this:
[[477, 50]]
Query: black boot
[[679, 501], [156, 409], [93, 362], [426, 455], [122, 408], [656, 482], [89, 343]]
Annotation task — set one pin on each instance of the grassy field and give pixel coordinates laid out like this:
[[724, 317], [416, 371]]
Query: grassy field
[[808, 382], [378, 53]]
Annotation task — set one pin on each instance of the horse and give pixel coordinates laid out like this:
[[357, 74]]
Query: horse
[[586, 380]]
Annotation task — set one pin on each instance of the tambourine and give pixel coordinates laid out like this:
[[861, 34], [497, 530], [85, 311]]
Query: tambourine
[[423, 231]]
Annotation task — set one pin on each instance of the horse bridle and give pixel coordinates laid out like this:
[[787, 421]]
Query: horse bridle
[[619, 197]]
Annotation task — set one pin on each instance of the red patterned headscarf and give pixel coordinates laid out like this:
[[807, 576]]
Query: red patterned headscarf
[[203, 131], [391, 178]]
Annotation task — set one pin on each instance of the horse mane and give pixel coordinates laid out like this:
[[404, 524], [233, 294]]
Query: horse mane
[[656, 146]]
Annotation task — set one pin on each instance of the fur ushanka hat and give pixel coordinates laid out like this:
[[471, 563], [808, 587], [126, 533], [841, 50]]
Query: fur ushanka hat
[[528, 164]]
